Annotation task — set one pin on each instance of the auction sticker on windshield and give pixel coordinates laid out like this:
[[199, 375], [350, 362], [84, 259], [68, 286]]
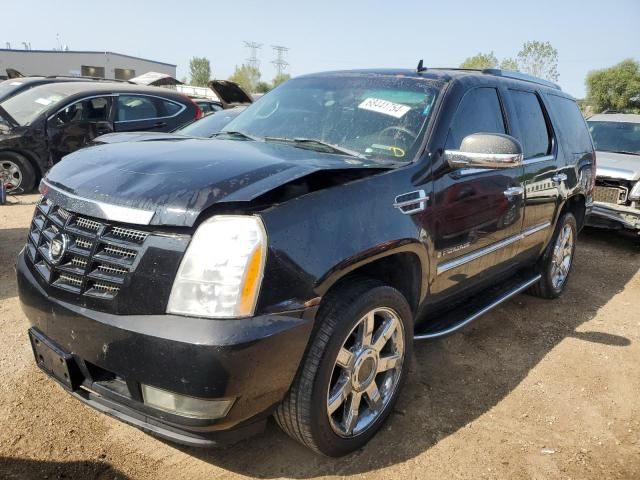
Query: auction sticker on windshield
[[385, 107]]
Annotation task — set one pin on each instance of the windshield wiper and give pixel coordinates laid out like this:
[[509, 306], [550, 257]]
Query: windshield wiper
[[311, 142], [235, 133]]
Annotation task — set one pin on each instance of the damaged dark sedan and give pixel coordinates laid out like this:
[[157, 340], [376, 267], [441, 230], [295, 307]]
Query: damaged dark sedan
[[195, 287]]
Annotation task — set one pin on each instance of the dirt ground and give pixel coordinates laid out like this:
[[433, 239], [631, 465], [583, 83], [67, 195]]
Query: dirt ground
[[535, 389]]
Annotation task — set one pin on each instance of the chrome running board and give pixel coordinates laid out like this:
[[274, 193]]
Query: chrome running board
[[477, 314]]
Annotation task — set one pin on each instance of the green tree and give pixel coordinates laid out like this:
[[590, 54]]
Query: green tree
[[615, 88], [247, 77], [281, 78], [510, 64], [539, 59], [263, 87], [200, 69], [480, 61]]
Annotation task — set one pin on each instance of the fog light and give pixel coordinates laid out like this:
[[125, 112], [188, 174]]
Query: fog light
[[184, 405]]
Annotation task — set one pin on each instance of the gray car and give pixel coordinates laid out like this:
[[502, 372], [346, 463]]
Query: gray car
[[616, 137]]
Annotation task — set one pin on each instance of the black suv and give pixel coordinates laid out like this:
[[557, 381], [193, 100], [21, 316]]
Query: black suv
[[42, 124], [193, 288]]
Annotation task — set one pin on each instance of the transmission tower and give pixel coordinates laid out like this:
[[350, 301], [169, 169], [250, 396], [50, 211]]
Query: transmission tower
[[280, 63], [253, 47]]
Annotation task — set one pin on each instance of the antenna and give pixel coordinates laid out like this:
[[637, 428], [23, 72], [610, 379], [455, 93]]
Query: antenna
[[280, 63], [253, 47], [421, 68]]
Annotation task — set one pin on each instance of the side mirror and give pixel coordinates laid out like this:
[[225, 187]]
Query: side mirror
[[486, 150]]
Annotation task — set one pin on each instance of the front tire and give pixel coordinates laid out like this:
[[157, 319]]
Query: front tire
[[555, 264], [17, 173], [353, 370]]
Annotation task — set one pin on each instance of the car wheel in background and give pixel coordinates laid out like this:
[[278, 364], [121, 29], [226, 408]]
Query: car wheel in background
[[16, 172]]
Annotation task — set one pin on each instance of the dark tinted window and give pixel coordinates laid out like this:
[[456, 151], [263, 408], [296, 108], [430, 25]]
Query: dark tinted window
[[132, 107], [534, 135], [479, 111], [570, 124], [171, 108]]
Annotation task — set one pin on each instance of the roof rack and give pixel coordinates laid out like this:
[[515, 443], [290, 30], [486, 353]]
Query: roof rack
[[520, 76]]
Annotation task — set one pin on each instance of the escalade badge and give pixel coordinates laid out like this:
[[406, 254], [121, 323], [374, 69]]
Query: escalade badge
[[58, 247]]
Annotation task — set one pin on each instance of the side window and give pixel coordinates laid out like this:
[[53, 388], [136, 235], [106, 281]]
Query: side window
[[535, 137], [70, 114], [98, 109], [133, 107], [570, 123], [479, 111], [170, 108]]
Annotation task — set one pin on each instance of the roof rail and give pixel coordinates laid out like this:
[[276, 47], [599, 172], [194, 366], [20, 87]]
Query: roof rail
[[520, 76], [85, 77]]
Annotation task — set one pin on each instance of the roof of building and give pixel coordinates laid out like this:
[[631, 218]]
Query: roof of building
[[94, 52]]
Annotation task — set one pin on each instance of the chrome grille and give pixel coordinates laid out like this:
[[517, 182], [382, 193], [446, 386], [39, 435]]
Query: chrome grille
[[99, 256], [617, 195]]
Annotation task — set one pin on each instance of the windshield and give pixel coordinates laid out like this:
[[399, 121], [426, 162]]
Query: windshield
[[375, 116], [210, 124], [25, 107], [7, 87], [622, 137]]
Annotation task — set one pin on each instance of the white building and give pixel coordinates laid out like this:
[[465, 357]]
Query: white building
[[92, 64]]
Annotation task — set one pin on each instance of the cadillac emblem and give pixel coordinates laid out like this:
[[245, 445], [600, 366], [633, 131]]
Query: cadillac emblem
[[58, 247]]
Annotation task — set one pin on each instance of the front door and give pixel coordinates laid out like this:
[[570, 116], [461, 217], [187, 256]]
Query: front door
[[77, 124], [478, 211]]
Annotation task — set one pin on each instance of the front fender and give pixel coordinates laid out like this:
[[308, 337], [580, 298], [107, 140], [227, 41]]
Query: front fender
[[317, 239]]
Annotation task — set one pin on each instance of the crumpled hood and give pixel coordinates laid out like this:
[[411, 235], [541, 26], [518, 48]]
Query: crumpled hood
[[135, 137], [618, 165], [175, 181]]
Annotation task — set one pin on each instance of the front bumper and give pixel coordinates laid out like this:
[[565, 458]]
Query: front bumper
[[608, 215], [252, 360]]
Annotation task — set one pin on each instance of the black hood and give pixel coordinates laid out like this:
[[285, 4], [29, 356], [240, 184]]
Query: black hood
[[175, 181]]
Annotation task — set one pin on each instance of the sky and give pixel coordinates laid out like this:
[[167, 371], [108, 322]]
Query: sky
[[333, 34]]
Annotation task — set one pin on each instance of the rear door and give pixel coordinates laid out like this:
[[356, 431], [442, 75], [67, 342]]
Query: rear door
[[147, 113], [544, 180], [478, 211]]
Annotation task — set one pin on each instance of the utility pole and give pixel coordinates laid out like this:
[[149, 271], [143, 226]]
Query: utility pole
[[280, 63], [253, 47]]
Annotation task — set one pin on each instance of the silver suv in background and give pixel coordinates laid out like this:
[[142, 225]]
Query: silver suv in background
[[616, 137]]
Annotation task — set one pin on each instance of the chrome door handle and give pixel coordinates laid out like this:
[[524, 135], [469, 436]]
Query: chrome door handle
[[559, 178], [513, 192]]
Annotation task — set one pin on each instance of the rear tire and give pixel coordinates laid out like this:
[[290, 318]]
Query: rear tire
[[348, 370], [17, 173], [556, 262]]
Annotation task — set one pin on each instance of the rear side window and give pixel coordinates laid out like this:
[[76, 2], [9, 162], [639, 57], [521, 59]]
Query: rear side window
[[570, 123], [534, 133], [133, 107], [171, 108], [478, 112]]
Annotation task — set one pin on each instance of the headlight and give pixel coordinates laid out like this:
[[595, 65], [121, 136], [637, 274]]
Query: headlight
[[221, 272], [635, 192]]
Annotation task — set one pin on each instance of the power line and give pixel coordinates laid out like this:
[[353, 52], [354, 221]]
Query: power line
[[253, 47], [280, 63]]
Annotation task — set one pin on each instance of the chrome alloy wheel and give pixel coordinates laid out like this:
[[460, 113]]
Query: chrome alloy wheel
[[366, 372], [10, 175], [562, 257]]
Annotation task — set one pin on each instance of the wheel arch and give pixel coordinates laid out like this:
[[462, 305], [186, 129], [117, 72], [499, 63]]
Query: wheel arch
[[405, 268], [577, 205]]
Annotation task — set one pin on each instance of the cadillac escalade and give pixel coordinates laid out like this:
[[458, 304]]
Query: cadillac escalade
[[193, 288]]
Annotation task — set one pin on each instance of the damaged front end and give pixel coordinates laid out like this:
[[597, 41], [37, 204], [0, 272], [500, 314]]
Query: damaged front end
[[616, 199]]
